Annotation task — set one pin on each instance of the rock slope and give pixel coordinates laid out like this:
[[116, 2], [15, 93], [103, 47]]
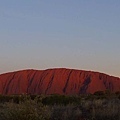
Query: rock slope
[[56, 81]]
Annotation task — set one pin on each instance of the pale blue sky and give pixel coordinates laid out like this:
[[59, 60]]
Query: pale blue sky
[[41, 34]]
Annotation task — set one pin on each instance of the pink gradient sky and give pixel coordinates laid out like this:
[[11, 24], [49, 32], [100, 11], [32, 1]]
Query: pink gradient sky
[[80, 34]]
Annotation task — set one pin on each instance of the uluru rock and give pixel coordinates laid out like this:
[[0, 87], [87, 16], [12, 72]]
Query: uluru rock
[[57, 81]]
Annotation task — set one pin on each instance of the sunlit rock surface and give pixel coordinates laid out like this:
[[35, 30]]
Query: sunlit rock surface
[[57, 81]]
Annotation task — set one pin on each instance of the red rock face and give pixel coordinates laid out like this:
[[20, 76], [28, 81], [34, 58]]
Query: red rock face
[[56, 81]]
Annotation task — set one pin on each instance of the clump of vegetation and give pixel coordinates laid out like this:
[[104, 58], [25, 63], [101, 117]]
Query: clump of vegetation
[[99, 106], [60, 100], [26, 110]]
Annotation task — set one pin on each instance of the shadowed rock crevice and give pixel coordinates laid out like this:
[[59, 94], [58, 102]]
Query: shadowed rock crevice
[[49, 84], [85, 85], [18, 85], [7, 86], [30, 83], [67, 81], [41, 80]]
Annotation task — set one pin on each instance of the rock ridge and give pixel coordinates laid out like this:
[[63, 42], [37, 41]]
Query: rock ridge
[[57, 81]]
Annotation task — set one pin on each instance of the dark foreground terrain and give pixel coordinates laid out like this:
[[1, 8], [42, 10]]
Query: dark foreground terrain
[[100, 106]]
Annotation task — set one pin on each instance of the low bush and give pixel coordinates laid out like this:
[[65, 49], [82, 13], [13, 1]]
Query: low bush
[[60, 107]]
